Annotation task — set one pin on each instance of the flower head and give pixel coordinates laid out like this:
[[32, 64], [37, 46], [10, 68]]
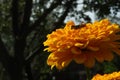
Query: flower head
[[84, 45], [112, 76]]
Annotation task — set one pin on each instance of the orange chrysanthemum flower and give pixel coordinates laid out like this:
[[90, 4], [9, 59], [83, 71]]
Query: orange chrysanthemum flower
[[84, 45], [112, 76]]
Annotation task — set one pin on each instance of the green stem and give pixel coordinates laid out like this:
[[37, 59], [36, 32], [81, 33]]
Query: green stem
[[88, 74]]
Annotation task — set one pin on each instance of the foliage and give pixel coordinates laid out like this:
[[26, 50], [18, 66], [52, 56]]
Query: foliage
[[104, 8]]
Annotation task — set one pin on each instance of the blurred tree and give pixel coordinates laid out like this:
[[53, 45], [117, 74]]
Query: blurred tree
[[24, 25], [104, 8]]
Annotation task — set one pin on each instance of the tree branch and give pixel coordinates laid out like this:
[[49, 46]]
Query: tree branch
[[28, 61], [28, 71], [15, 16], [63, 16], [61, 19], [5, 58], [27, 14], [44, 15], [34, 53], [19, 30]]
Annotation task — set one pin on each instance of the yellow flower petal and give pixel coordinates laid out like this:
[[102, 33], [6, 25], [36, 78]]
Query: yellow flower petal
[[79, 59], [89, 62], [79, 44], [93, 48], [75, 50], [110, 76]]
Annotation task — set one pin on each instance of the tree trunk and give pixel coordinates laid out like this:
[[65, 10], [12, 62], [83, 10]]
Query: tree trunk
[[16, 75], [14, 69]]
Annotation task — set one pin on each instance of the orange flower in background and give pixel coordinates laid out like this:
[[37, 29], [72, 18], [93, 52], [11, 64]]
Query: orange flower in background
[[112, 76], [83, 45]]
